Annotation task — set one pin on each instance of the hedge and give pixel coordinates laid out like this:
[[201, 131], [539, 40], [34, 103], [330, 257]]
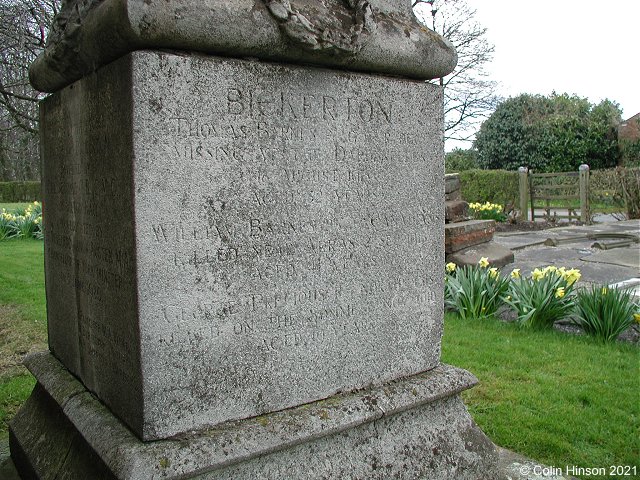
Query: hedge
[[11, 192], [619, 186], [495, 186]]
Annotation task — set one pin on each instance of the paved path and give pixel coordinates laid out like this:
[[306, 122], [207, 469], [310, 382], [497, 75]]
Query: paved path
[[575, 250]]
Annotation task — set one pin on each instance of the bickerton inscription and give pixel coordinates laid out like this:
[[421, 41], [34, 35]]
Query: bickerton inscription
[[249, 238], [288, 230]]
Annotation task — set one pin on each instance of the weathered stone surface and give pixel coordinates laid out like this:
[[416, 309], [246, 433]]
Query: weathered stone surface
[[451, 183], [229, 238], [411, 428], [466, 234], [454, 196], [374, 36], [456, 211], [496, 254]]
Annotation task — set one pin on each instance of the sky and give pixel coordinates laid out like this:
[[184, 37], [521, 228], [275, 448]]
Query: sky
[[586, 47], [583, 47]]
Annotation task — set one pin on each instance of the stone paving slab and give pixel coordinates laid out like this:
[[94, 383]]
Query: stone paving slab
[[597, 266]]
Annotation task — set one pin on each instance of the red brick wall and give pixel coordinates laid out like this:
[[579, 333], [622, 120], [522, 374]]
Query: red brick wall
[[630, 129]]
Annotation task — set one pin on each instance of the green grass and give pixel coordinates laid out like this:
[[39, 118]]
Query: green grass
[[22, 320], [560, 399], [10, 207]]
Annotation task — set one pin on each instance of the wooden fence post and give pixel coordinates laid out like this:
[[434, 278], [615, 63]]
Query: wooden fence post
[[524, 192], [585, 216]]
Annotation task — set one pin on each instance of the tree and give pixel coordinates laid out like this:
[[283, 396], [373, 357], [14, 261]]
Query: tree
[[549, 134], [23, 28], [469, 96], [459, 160]]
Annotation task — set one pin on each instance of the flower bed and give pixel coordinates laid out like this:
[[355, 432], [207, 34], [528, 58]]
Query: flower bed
[[539, 300], [23, 223]]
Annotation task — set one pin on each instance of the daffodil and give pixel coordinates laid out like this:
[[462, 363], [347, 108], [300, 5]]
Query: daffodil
[[604, 290], [515, 273], [537, 274], [636, 317], [560, 292], [450, 267], [493, 272], [572, 276], [483, 262]]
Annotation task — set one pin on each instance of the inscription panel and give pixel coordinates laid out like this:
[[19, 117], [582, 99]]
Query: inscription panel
[[289, 234], [89, 239]]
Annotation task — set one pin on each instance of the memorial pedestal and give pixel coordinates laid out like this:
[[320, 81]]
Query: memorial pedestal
[[244, 259], [416, 427]]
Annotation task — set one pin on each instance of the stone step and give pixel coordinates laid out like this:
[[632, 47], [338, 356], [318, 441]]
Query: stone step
[[456, 211], [451, 182], [496, 254], [453, 196], [452, 187], [466, 234]]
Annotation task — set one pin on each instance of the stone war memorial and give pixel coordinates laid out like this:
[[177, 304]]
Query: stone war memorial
[[244, 249]]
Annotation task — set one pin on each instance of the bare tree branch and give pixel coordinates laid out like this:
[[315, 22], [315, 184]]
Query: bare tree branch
[[469, 96], [24, 25]]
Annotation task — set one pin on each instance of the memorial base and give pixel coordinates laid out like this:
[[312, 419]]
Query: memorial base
[[416, 427]]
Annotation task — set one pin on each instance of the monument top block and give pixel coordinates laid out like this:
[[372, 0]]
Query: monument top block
[[379, 36]]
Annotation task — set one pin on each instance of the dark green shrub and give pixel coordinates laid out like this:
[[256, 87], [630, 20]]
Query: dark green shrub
[[19, 192], [629, 181], [459, 160], [549, 134], [629, 153]]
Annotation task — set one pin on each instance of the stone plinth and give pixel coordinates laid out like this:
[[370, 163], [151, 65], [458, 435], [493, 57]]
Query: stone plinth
[[415, 427], [230, 238], [451, 183]]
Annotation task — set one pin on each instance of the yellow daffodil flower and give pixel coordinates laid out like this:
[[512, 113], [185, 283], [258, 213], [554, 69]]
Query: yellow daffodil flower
[[572, 276], [560, 292], [450, 267], [483, 262], [493, 272], [515, 273], [537, 274]]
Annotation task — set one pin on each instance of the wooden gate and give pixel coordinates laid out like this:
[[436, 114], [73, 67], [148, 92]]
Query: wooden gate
[[566, 194]]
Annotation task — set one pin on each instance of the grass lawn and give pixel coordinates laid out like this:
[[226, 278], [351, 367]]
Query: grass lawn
[[22, 320], [559, 399], [11, 207]]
